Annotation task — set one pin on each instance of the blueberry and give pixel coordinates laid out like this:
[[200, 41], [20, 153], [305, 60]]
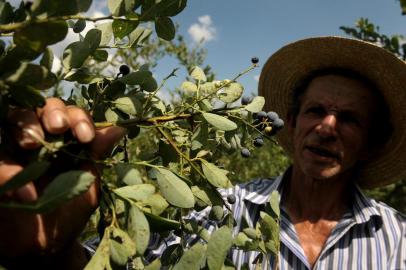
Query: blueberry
[[246, 100], [272, 116], [261, 115], [254, 60], [231, 199], [79, 26], [245, 153], [258, 142], [278, 124], [124, 69]]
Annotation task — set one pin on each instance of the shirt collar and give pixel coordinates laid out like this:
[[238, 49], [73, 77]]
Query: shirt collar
[[362, 211]]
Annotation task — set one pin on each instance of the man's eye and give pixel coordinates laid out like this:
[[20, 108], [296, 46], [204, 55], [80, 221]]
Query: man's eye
[[315, 110], [349, 118]]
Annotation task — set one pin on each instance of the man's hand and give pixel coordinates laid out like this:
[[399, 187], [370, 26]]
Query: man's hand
[[24, 234]]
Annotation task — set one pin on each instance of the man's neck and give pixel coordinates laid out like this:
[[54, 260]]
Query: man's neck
[[311, 199]]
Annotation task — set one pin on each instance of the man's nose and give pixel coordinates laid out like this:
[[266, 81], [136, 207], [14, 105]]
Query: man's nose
[[327, 126]]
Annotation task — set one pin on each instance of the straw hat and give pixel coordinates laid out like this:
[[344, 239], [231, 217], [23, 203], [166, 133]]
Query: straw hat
[[296, 60]]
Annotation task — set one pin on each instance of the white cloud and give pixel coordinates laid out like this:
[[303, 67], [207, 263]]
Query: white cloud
[[203, 30], [256, 78]]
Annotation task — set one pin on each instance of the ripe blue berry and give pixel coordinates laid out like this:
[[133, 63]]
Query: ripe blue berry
[[272, 116], [258, 142], [278, 124], [124, 69], [254, 60], [246, 100], [231, 199], [245, 153], [261, 115]]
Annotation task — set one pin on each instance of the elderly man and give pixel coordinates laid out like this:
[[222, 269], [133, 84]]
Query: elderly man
[[343, 102]]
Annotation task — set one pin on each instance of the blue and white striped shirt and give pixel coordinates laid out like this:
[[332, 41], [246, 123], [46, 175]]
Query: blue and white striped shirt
[[370, 236]]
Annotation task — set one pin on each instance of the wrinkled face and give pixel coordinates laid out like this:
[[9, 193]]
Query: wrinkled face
[[330, 131]]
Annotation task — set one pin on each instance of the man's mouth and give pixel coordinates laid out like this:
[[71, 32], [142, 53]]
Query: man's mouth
[[323, 152]]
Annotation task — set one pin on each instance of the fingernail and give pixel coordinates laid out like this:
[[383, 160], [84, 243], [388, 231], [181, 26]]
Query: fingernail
[[57, 120], [30, 138], [84, 132]]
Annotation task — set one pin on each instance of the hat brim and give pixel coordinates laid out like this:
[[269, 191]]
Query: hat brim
[[297, 60]]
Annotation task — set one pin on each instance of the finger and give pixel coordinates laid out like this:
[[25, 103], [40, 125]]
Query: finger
[[26, 193], [81, 124], [105, 140], [29, 132], [54, 116]]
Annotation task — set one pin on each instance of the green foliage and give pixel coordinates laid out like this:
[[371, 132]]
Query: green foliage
[[169, 162], [394, 194]]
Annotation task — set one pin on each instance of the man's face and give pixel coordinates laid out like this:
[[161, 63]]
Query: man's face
[[330, 131]]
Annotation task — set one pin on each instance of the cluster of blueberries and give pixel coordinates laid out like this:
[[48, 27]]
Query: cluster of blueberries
[[267, 122]]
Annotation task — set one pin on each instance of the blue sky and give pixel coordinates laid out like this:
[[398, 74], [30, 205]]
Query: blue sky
[[242, 29], [236, 30]]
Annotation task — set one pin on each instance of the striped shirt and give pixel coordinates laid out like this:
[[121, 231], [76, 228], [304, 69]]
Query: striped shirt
[[369, 236]]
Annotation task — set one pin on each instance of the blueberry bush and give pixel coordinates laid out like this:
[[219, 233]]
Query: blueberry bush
[[171, 160]]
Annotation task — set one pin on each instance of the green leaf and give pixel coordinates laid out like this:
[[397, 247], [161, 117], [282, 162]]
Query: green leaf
[[241, 240], [218, 246], [27, 97], [175, 191], [216, 176], [30, 173], [138, 36], [138, 192], [219, 122], [198, 74], [47, 59], [160, 224], [82, 75], [120, 7], [171, 7], [100, 55], [155, 204], [54, 8], [6, 13], [165, 28], [121, 246], [189, 88], [201, 195], [75, 54], [100, 258], [138, 229], [143, 78], [155, 265], [208, 88], [114, 90], [128, 174], [403, 6], [122, 28], [64, 187], [93, 39], [192, 259], [256, 105], [269, 227], [107, 33], [37, 36], [33, 75], [274, 203], [231, 93], [128, 105], [111, 115]]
